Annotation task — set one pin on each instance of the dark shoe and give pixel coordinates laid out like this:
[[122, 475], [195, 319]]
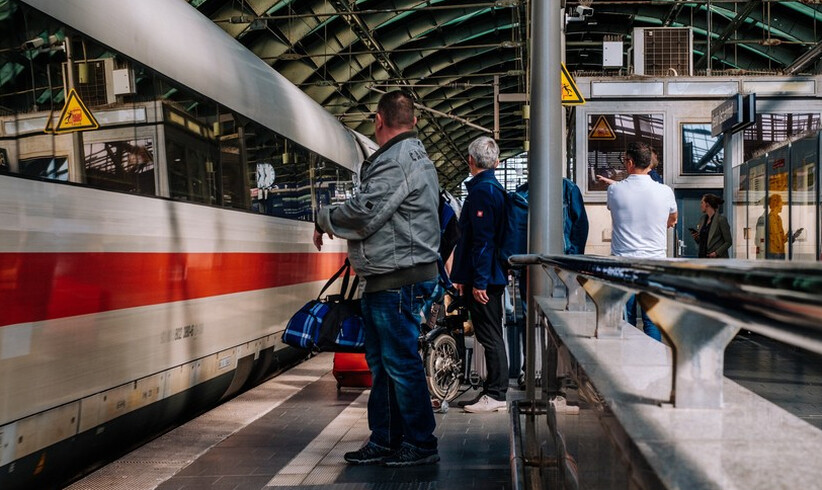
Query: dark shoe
[[465, 403], [412, 456], [369, 454]]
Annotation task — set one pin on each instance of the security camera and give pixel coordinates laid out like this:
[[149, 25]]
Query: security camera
[[584, 11], [34, 43]]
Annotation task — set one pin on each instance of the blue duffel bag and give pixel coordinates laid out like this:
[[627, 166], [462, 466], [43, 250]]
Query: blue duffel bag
[[331, 324]]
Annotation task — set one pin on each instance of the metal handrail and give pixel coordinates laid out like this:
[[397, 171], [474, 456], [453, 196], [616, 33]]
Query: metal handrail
[[699, 306], [781, 300]]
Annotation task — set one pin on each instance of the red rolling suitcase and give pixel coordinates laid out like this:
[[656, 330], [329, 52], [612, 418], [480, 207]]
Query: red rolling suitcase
[[351, 370]]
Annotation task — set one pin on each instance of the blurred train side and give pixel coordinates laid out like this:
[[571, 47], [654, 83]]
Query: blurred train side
[[123, 313]]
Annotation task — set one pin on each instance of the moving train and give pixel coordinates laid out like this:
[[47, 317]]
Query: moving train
[[148, 266]]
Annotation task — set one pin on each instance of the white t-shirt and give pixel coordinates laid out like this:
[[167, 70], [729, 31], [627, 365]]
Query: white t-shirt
[[639, 210]]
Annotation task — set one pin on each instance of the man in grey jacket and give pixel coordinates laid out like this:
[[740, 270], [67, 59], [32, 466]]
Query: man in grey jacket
[[392, 228]]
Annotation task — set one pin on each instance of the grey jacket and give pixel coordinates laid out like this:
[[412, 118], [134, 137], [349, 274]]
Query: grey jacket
[[719, 235], [392, 224]]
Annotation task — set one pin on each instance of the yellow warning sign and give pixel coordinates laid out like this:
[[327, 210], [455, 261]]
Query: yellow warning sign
[[75, 116], [602, 130], [570, 92], [50, 122]]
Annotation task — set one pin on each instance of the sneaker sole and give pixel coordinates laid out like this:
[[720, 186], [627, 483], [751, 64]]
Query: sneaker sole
[[365, 461], [500, 409], [427, 460]]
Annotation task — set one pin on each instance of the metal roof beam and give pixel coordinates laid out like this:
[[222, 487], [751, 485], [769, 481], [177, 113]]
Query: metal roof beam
[[731, 28]]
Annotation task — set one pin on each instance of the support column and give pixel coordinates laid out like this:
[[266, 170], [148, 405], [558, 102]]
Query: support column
[[545, 157], [733, 158]]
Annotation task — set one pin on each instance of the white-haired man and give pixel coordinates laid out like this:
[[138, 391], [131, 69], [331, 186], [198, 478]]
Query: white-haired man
[[477, 273]]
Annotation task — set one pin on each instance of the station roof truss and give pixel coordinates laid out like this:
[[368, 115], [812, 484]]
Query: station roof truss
[[346, 53], [448, 53]]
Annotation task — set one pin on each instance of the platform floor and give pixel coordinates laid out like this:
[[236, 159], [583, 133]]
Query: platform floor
[[292, 431]]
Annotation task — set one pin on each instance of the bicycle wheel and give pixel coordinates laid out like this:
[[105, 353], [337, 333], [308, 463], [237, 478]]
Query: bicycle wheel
[[442, 366]]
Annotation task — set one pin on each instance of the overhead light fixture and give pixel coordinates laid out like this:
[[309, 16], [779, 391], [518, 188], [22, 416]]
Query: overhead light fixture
[[509, 44]]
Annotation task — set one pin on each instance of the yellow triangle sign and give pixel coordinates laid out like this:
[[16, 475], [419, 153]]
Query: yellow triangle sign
[[50, 123], [75, 116], [570, 92], [602, 130]]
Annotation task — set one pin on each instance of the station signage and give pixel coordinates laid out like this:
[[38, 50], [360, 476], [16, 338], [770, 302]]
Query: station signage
[[570, 92], [734, 114], [75, 116]]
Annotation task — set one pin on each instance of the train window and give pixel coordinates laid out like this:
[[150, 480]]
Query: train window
[[192, 152], [126, 166], [155, 136], [701, 153], [609, 136], [53, 168], [4, 161], [232, 176]]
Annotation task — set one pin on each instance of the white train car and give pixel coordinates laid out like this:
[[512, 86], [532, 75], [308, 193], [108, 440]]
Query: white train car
[[148, 267]]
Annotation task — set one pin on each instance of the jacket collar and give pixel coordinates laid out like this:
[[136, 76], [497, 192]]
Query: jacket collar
[[481, 177], [388, 144]]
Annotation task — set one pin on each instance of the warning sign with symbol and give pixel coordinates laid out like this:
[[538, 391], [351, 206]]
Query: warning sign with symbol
[[602, 130], [570, 92], [75, 116]]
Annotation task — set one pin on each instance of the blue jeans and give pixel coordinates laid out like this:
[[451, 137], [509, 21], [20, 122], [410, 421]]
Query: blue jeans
[[399, 408], [650, 329]]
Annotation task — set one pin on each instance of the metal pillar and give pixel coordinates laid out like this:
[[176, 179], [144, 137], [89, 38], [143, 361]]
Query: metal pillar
[[77, 165], [545, 157], [733, 158]]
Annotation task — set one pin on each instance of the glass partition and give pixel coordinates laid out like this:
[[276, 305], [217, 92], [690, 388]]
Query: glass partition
[[757, 216], [776, 231], [803, 223]]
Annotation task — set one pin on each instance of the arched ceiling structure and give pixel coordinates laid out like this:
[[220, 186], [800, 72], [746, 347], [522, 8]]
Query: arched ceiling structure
[[454, 54]]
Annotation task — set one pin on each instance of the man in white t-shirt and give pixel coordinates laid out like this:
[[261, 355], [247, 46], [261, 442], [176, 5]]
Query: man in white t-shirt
[[641, 210]]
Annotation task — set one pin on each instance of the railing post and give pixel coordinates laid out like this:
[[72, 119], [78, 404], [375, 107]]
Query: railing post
[[555, 287], [610, 302], [699, 343], [577, 296]]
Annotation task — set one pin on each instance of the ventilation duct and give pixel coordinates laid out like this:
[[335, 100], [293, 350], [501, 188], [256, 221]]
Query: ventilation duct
[[664, 51]]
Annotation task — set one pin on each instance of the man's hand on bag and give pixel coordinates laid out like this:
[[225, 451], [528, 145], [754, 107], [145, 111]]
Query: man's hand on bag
[[318, 239], [480, 296], [458, 288]]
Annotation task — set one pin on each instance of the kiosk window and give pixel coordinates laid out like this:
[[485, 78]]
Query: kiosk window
[[701, 152], [609, 135]]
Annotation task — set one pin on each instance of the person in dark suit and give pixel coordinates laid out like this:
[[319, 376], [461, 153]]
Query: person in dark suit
[[713, 233]]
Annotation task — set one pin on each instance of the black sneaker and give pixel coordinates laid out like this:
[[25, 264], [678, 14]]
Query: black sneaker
[[412, 456], [369, 454]]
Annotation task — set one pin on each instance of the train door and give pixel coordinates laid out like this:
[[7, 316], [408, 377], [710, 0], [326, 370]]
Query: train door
[[690, 213]]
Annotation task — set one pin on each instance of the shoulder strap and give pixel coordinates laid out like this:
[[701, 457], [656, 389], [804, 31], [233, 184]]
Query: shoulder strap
[[346, 268]]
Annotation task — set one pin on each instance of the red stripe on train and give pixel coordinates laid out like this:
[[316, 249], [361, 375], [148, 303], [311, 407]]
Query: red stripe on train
[[45, 286]]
